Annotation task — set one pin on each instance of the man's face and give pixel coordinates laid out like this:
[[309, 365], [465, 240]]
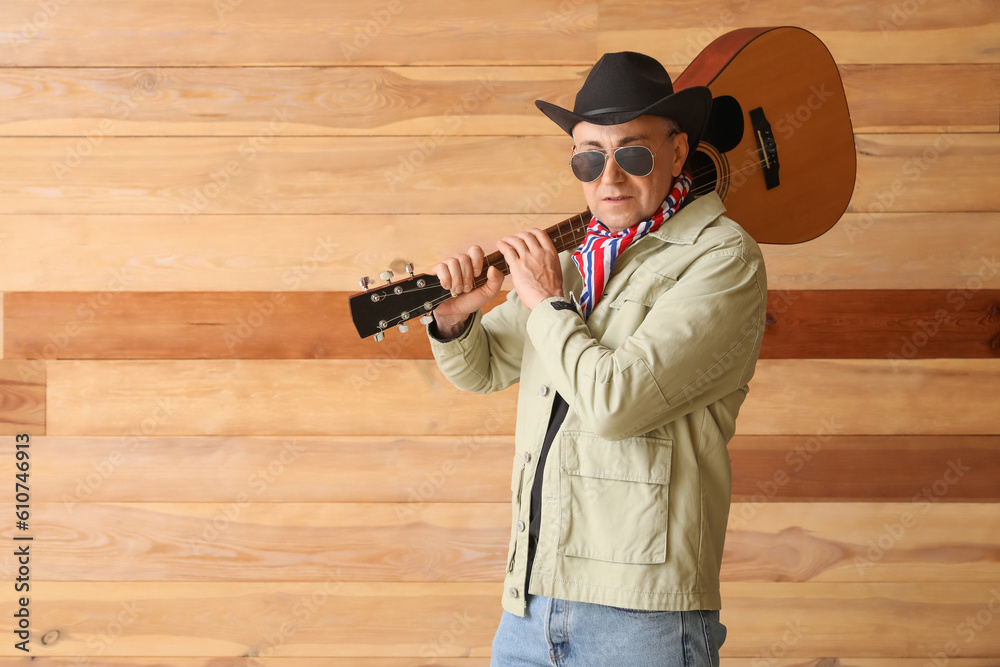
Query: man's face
[[617, 198]]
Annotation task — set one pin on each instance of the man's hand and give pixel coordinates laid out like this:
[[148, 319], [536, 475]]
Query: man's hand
[[534, 266], [457, 274]]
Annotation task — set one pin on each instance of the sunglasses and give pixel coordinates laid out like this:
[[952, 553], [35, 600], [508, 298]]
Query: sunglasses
[[635, 160]]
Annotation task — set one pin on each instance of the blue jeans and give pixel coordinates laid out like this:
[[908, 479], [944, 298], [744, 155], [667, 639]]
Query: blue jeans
[[561, 633]]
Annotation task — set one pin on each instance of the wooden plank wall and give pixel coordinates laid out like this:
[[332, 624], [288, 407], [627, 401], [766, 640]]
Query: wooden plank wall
[[222, 474]]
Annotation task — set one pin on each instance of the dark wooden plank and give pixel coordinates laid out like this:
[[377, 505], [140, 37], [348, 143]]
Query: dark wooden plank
[[827, 466], [891, 324], [22, 397], [842, 324]]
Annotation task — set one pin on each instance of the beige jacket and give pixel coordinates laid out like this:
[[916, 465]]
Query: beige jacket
[[636, 486]]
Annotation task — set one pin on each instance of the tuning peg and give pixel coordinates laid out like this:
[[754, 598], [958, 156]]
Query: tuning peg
[[365, 282], [386, 276], [379, 337], [426, 318], [409, 269], [403, 328]]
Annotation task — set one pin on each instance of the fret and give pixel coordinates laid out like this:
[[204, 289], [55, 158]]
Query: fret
[[566, 235]]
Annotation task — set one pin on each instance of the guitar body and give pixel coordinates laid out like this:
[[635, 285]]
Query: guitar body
[[789, 79]]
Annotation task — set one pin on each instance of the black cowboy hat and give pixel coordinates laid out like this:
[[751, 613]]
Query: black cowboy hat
[[623, 86]]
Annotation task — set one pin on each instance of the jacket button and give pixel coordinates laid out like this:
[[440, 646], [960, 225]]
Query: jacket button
[[527, 457], [513, 592], [520, 526], [543, 391]]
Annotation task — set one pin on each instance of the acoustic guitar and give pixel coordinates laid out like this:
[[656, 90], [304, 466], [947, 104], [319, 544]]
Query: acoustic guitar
[[778, 149]]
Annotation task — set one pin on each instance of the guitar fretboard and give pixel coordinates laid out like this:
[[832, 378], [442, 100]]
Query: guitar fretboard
[[566, 235]]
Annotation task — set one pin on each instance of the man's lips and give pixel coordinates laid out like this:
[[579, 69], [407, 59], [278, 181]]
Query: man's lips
[[617, 198]]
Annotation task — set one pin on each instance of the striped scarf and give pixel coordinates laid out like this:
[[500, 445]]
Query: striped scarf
[[595, 258]]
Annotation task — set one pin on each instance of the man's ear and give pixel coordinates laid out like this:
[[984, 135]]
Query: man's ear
[[681, 150]]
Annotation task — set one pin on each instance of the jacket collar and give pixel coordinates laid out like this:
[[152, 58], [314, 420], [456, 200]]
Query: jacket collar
[[685, 226]]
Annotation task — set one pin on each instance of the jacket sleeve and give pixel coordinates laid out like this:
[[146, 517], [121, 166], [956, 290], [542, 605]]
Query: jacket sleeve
[[698, 342], [486, 357]]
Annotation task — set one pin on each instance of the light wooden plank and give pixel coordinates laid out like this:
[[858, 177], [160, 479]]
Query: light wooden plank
[[263, 173], [923, 98], [836, 324], [858, 542], [476, 468], [22, 397], [952, 251], [899, 172], [442, 542], [397, 469], [243, 540], [434, 101], [875, 397], [879, 32], [114, 254], [266, 398], [265, 32], [348, 619], [374, 175], [462, 662], [848, 396]]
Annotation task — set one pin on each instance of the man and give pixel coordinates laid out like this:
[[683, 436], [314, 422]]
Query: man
[[621, 478]]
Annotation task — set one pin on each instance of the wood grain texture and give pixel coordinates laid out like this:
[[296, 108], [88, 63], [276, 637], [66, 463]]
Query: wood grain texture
[[467, 542], [233, 32], [476, 468], [435, 101], [347, 619], [824, 466], [459, 662], [266, 174], [231, 397], [22, 397], [220, 397], [114, 254], [842, 324]]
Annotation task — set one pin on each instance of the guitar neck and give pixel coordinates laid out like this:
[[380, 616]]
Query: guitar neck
[[566, 235]]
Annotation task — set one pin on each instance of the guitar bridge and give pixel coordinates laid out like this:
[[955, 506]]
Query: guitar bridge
[[767, 149]]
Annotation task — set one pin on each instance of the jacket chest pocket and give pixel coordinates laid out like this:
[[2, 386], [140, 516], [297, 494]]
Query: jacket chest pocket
[[613, 504], [631, 306]]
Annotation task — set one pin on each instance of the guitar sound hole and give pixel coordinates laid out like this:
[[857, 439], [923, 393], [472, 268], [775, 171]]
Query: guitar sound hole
[[704, 173]]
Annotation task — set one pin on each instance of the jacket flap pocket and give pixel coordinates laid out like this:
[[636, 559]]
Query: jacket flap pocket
[[641, 459], [645, 290]]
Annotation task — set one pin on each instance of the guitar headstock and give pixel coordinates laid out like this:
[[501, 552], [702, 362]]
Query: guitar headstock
[[394, 304]]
